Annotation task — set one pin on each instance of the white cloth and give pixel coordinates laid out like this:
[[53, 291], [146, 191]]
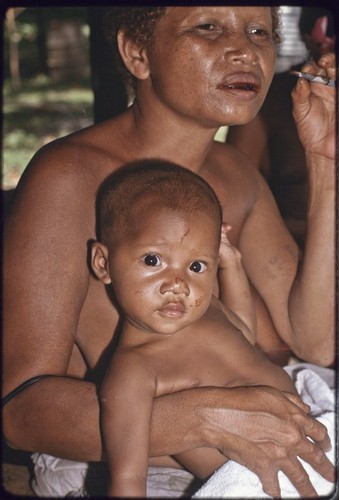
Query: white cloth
[[233, 480], [56, 477], [169, 483]]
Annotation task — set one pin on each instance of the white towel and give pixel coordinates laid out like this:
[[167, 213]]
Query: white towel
[[233, 480]]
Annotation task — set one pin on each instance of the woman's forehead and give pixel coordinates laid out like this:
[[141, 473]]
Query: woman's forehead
[[178, 13]]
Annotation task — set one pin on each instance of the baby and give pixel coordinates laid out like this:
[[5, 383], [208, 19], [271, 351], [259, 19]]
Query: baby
[[160, 243]]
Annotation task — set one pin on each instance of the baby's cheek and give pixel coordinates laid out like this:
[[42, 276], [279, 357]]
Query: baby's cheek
[[200, 300]]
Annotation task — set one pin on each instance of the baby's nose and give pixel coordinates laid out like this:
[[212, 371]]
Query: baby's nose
[[176, 285]]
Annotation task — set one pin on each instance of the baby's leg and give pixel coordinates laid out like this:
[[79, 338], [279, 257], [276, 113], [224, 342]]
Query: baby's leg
[[165, 461], [201, 462]]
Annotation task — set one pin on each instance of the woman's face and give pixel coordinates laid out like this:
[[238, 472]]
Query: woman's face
[[212, 64]]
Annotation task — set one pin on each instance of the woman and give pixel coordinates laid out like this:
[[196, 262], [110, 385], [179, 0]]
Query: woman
[[202, 67]]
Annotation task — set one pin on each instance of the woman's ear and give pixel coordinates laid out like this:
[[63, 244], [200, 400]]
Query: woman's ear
[[133, 55], [99, 261]]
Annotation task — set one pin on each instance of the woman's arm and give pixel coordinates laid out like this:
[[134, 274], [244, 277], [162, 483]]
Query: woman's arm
[[299, 294], [312, 300], [258, 427]]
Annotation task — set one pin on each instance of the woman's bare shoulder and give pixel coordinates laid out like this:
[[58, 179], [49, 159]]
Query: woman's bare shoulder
[[229, 160], [80, 149], [78, 163]]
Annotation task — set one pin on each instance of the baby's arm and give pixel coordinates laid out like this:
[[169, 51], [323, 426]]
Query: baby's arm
[[234, 288], [126, 398]]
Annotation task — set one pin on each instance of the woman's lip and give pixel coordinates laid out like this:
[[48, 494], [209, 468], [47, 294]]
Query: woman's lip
[[242, 92], [242, 86], [241, 82]]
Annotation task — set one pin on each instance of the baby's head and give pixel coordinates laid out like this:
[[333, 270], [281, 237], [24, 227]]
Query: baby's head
[[159, 228], [145, 187]]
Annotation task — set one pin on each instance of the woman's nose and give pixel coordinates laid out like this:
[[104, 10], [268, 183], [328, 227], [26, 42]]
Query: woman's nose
[[176, 285], [240, 50]]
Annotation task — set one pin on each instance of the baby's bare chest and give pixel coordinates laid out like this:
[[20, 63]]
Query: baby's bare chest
[[196, 366]]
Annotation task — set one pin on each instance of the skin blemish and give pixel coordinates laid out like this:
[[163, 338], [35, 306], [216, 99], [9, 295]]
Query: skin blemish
[[182, 239], [199, 301]]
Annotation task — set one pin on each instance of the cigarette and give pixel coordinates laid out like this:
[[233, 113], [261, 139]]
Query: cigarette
[[314, 78]]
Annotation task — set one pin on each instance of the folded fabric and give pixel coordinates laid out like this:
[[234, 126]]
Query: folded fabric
[[233, 480], [57, 477], [166, 482]]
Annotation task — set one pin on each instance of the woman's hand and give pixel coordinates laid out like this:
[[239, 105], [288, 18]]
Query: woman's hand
[[314, 108], [266, 431]]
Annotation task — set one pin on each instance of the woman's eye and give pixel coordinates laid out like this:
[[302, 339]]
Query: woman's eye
[[206, 27], [197, 267], [260, 32], [152, 260]]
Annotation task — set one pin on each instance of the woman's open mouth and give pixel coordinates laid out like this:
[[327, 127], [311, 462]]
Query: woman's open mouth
[[252, 87], [241, 83]]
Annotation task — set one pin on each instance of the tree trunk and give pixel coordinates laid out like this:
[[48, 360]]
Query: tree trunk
[[110, 96]]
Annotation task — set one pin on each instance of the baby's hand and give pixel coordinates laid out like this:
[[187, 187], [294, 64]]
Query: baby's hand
[[229, 255]]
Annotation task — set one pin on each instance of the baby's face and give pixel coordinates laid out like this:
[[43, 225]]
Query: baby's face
[[164, 272]]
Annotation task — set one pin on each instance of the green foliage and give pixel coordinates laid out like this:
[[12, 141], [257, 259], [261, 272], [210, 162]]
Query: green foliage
[[39, 113], [38, 109], [32, 23]]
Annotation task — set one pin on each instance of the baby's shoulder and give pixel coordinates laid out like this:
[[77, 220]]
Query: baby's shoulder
[[221, 322], [216, 317]]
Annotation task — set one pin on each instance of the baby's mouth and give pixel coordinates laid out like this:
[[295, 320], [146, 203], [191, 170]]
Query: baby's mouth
[[173, 309]]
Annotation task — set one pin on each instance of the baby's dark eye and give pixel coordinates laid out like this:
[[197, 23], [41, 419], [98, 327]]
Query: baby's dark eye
[[152, 260], [197, 267]]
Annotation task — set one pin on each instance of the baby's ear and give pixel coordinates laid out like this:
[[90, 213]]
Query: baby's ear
[[134, 56], [99, 261]]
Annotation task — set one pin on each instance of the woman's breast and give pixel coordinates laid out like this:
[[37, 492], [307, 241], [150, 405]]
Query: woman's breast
[[97, 324]]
